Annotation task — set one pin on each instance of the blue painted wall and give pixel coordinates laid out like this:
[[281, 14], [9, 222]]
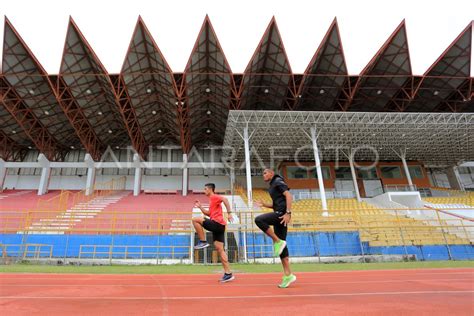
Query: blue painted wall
[[163, 247], [300, 244]]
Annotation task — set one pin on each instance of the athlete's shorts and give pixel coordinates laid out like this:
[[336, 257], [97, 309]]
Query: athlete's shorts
[[217, 229], [266, 220]]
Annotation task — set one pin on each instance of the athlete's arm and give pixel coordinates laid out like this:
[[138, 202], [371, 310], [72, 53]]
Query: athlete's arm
[[227, 207], [289, 199], [286, 218], [263, 204], [203, 210]]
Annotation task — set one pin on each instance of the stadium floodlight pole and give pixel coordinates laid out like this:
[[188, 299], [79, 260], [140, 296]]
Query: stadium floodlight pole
[[248, 171], [3, 173], [90, 174], [317, 161], [350, 156], [137, 184], [45, 174], [185, 175]]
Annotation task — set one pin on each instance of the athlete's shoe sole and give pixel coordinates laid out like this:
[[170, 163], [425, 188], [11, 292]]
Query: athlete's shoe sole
[[227, 280], [202, 246], [287, 284]]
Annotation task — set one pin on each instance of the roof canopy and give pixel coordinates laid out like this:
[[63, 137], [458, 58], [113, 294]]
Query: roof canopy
[[433, 138], [147, 104]]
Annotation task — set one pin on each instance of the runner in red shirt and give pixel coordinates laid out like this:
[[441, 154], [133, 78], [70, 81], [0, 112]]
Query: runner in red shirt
[[216, 224]]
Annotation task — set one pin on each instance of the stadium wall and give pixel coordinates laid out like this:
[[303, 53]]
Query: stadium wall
[[301, 244]]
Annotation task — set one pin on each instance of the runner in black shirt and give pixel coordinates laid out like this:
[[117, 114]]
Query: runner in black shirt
[[279, 219]]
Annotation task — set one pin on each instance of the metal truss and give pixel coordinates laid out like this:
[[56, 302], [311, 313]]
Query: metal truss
[[14, 142], [433, 138], [78, 120], [10, 150], [130, 117], [29, 123]]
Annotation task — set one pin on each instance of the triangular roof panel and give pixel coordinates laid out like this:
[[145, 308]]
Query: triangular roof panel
[[210, 88], [268, 75], [31, 83], [385, 74], [325, 75], [443, 81], [151, 87], [91, 87]]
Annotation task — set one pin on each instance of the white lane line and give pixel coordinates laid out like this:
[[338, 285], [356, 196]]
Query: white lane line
[[200, 283], [253, 276], [285, 296]]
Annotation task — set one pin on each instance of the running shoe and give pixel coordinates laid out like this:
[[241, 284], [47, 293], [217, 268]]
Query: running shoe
[[287, 280], [278, 247], [227, 277], [201, 245]]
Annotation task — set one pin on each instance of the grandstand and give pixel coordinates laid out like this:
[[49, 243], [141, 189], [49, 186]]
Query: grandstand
[[99, 166]]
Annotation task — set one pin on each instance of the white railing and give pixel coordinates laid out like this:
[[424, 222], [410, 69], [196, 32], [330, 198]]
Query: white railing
[[400, 188], [329, 195], [344, 194], [374, 192], [446, 193]]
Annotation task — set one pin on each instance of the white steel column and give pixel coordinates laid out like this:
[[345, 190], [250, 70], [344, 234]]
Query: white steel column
[[137, 183], [90, 182], [402, 154], [319, 172], [185, 175], [45, 174], [232, 180], [407, 171], [248, 171], [458, 177], [354, 176], [3, 173]]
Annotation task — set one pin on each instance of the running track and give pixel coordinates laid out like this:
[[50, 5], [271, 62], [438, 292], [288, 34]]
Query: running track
[[388, 292]]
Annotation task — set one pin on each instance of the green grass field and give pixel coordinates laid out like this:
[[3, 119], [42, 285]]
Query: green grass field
[[241, 268]]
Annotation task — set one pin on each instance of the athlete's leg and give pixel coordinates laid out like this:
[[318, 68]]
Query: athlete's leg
[[223, 255], [197, 223], [281, 231], [264, 221], [288, 277], [286, 265]]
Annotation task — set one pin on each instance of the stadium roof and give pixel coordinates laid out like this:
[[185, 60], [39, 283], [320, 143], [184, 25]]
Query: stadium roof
[[147, 104], [440, 139]]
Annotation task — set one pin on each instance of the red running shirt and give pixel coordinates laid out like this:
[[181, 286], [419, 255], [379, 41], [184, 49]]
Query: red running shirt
[[215, 208]]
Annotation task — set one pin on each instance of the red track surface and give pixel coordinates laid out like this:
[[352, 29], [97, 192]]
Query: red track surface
[[390, 292]]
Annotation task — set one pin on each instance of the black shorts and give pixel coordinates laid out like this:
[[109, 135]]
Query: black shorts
[[264, 221], [218, 230]]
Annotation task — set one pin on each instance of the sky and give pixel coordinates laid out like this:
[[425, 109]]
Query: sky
[[364, 26]]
